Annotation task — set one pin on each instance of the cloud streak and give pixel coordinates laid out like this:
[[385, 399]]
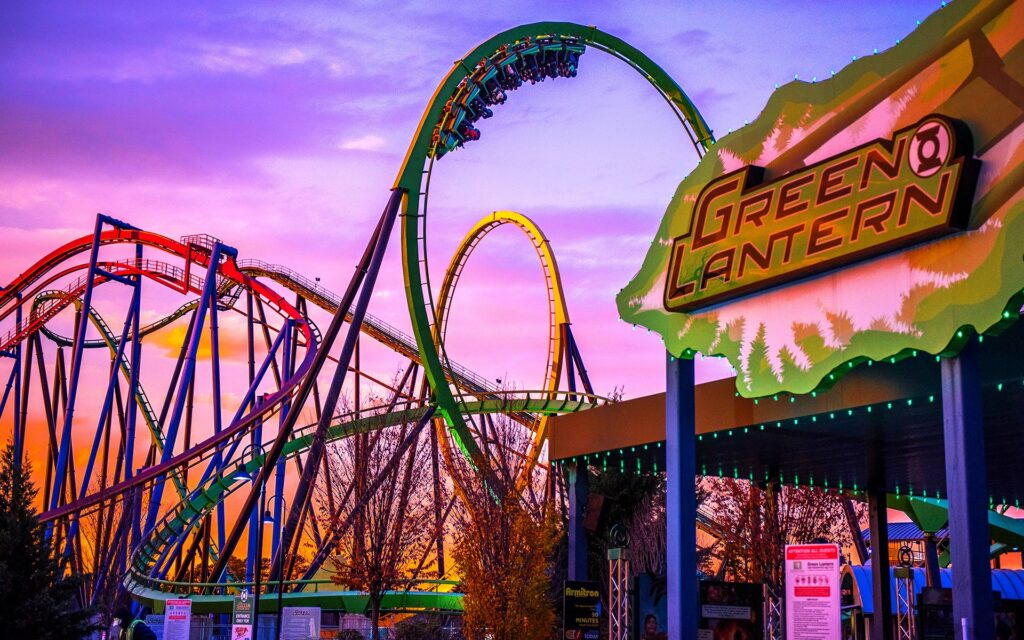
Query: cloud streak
[[279, 127]]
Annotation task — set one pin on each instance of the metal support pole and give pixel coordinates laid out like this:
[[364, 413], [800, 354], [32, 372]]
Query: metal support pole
[[620, 602], [575, 356], [275, 538], [218, 459], [133, 399], [78, 351], [931, 560], [316, 448], [435, 468], [259, 567], [303, 391], [570, 366], [279, 571], [680, 498], [171, 430], [966, 484], [881, 588], [579, 488]]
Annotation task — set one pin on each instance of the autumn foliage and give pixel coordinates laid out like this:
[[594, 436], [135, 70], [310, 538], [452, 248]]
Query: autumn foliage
[[504, 543]]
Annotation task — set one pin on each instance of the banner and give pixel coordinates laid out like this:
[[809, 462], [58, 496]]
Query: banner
[[177, 619], [812, 592], [652, 610], [581, 610]]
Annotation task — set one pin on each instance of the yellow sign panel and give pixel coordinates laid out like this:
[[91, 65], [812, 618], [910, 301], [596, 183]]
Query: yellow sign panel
[[885, 195]]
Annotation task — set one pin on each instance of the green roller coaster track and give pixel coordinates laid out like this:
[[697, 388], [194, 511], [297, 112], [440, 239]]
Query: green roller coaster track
[[414, 179]]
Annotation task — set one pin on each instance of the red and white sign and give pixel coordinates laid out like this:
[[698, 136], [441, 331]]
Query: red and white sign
[[177, 619], [812, 592]]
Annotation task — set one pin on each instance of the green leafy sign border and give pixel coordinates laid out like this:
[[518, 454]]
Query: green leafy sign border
[[986, 300]]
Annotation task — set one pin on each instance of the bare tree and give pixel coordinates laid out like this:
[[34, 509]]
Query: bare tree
[[757, 522], [386, 521], [648, 534]]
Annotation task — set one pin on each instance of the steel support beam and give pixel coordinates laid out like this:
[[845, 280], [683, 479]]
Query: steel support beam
[[680, 498], [19, 418], [967, 486], [579, 489], [881, 587], [188, 370], [316, 449], [931, 560], [302, 393], [78, 351]]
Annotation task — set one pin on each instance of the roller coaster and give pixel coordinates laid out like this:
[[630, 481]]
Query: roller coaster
[[211, 430]]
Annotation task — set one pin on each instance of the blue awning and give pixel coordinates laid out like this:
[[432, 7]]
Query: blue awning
[[1008, 582], [905, 532]]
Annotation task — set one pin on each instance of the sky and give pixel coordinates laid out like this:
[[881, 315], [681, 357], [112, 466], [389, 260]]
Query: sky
[[279, 128]]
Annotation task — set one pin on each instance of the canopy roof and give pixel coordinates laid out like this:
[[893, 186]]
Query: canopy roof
[[880, 424], [1008, 582]]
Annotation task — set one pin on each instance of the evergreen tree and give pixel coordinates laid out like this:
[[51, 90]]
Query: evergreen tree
[[36, 601]]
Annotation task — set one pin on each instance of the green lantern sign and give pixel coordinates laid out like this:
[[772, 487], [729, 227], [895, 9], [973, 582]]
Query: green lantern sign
[[745, 236], [875, 215]]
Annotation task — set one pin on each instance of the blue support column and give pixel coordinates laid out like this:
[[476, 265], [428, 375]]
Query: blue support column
[[135, 532], [7, 389], [967, 486], [77, 353], [287, 367], [188, 370], [579, 490], [881, 587], [680, 498]]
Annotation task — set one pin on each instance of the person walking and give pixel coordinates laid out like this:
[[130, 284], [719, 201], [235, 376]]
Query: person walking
[[132, 628]]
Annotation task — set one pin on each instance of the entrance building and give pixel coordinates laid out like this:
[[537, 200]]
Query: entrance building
[[878, 434], [857, 254]]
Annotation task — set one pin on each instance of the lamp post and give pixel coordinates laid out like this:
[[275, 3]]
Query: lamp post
[[241, 474], [280, 561]]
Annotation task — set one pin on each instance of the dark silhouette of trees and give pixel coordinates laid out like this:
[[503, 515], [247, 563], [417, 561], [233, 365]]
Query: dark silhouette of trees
[[387, 520], [36, 599]]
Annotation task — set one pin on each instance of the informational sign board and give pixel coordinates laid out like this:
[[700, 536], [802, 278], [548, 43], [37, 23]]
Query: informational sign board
[[731, 609], [581, 610], [300, 623], [177, 620], [869, 216], [242, 617], [812, 592]]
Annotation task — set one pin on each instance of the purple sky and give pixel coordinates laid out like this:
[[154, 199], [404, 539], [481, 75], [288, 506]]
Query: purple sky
[[279, 128]]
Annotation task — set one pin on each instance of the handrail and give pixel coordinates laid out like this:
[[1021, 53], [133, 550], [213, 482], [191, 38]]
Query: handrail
[[459, 373], [173, 586], [43, 312]]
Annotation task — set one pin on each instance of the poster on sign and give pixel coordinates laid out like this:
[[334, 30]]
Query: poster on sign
[[581, 610], [241, 617], [177, 619], [241, 632], [812, 592], [300, 623]]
